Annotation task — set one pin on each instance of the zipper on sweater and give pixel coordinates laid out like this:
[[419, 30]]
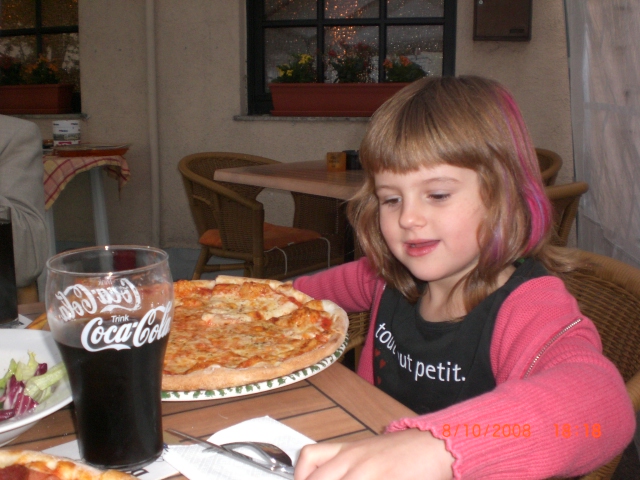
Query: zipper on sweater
[[549, 343]]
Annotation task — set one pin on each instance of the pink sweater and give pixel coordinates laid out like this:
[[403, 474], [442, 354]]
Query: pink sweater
[[552, 381]]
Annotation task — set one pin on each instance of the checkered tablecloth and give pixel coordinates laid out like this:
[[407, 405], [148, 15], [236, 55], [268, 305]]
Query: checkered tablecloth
[[59, 171]]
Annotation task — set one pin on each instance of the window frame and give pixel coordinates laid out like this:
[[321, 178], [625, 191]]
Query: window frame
[[259, 102], [39, 32]]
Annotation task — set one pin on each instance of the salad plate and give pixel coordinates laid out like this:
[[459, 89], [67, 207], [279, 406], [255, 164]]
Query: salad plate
[[16, 345]]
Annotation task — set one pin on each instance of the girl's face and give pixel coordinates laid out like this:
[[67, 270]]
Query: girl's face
[[430, 218]]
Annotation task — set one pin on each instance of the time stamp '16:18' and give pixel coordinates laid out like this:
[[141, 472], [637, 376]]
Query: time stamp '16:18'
[[566, 430]]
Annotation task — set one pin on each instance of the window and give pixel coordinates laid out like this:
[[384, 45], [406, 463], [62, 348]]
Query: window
[[29, 28], [423, 30]]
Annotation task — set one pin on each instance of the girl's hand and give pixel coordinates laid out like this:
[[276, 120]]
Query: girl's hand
[[408, 454]]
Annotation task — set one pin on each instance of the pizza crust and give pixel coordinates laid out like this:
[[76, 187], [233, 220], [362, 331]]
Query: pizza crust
[[63, 468], [217, 377]]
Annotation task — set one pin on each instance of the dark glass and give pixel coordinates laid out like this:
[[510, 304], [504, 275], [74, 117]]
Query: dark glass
[[422, 44], [18, 14], [352, 9], [8, 290], [289, 10], [281, 43], [64, 51], [352, 36], [22, 48], [58, 13], [413, 8]]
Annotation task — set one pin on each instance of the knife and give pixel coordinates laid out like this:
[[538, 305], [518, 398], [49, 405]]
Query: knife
[[277, 468]]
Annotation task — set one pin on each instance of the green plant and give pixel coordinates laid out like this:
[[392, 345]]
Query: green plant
[[42, 71], [301, 69], [402, 69], [354, 65]]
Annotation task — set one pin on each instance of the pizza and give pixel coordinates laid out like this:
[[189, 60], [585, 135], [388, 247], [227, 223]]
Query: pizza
[[235, 331], [31, 465]]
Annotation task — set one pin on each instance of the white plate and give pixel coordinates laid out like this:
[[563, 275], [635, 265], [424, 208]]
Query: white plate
[[16, 344], [178, 396]]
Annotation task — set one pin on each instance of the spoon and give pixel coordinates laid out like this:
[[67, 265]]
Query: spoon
[[267, 451]]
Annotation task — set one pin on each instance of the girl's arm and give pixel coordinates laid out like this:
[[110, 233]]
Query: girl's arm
[[351, 285], [560, 407]]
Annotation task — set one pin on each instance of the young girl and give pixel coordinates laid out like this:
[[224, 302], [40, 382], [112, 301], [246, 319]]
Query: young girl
[[470, 327]]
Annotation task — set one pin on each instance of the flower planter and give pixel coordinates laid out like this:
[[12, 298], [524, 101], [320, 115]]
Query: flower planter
[[330, 99], [35, 99]]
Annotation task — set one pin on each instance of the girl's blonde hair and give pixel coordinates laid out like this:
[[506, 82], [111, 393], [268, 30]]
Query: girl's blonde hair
[[467, 122]]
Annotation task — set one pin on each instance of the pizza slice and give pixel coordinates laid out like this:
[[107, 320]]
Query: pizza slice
[[32, 465]]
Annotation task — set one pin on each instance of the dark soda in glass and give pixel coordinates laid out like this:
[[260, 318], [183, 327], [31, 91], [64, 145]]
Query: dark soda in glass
[[8, 290], [115, 390]]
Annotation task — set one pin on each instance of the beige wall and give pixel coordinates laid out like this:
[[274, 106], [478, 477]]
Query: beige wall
[[200, 51]]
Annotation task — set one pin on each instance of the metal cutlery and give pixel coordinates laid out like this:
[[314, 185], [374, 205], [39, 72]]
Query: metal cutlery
[[274, 465]]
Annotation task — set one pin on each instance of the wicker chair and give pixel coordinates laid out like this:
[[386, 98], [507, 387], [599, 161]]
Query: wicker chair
[[565, 200], [608, 292], [550, 164], [230, 223]]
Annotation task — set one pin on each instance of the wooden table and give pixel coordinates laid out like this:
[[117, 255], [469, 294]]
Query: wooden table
[[334, 405], [310, 177], [305, 177]]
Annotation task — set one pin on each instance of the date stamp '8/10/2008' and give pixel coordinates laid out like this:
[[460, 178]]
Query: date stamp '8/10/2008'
[[519, 430]]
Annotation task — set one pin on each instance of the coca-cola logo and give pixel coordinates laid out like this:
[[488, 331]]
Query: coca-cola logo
[[123, 295], [97, 336]]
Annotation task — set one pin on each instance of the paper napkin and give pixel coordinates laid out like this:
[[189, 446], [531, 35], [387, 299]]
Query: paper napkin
[[196, 464]]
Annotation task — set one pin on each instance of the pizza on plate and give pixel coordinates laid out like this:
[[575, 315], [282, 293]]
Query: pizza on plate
[[32, 465], [235, 331]]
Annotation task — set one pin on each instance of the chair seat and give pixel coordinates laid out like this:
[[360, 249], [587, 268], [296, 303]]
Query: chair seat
[[275, 236]]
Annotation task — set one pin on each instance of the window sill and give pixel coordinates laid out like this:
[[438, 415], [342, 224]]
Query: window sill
[[271, 118], [52, 116]]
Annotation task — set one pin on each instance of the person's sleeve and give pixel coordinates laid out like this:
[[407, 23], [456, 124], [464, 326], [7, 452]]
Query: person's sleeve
[[21, 189], [560, 407], [351, 285]]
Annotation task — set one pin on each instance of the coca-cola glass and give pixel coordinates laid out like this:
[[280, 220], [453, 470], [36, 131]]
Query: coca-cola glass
[[110, 309]]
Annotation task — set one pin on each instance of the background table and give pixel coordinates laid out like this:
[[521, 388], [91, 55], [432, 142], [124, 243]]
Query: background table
[[310, 177], [305, 177], [59, 171]]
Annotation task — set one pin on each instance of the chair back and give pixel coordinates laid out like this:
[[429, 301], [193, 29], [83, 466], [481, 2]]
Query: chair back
[[550, 164], [230, 223], [608, 292], [230, 208], [565, 200]]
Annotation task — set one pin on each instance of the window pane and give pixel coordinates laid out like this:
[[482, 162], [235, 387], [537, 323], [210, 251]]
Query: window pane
[[281, 43], [18, 14], [352, 9], [63, 51], [289, 9], [57, 13], [339, 39], [415, 8], [421, 44], [22, 48]]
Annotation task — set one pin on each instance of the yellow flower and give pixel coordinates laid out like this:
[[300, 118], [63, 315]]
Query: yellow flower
[[305, 58], [289, 73]]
